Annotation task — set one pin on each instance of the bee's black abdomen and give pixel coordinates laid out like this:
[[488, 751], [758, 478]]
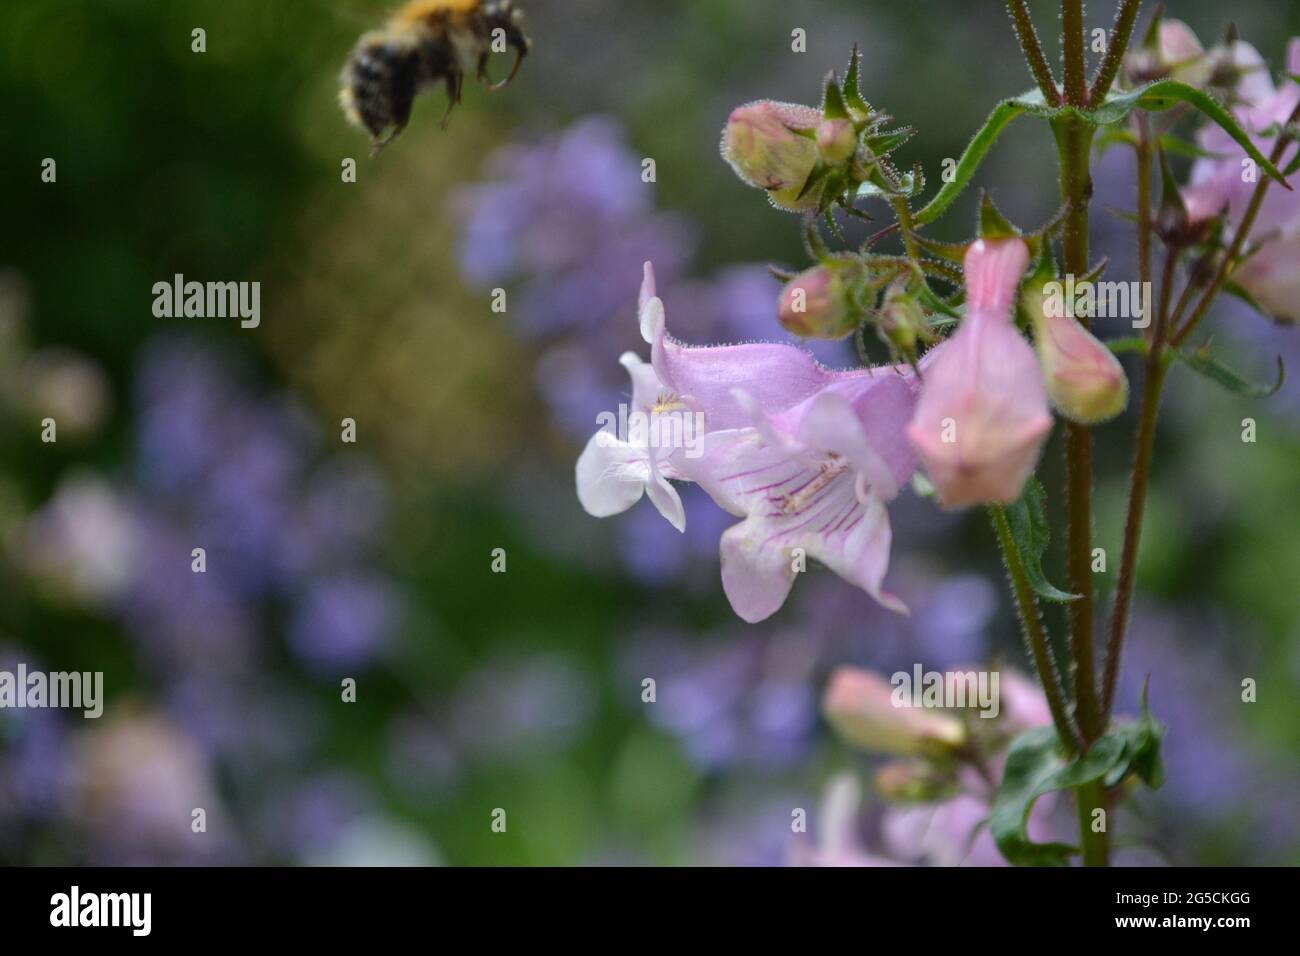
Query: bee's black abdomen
[[380, 80]]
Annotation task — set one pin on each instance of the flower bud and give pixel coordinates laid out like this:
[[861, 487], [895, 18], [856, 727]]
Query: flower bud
[[982, 415], [1084, 379], [860, 706], [915, 781], [902, 320], [816, 304], [763, 148], [1175, 53], [836, 140]]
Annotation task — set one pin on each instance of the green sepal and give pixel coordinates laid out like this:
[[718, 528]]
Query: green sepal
[[933, 303], [1031, 532], [992, 224], [833, 105], [882, 144], [948, 251], [852, 89]]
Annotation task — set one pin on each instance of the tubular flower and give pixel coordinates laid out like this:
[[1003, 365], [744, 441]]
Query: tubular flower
[[807, 456], [982, 416], [1084, 379], [810, 482]]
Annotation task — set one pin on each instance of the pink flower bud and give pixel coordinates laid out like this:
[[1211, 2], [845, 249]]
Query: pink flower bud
[[982, 416], [836, 141], [860, 706], [1272, 280], [1084, 380], [815, 304], [762, 147]]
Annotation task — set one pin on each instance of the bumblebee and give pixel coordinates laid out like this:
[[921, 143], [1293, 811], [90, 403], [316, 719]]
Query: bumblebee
[[424, 43]]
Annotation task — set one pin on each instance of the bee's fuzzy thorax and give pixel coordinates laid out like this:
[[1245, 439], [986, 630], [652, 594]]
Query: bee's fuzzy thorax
[[425, 10]]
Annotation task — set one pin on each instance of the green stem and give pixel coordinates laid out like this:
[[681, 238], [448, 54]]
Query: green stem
[[908, 228], [1032, 626], [1116, 47], [1158, 360], [1033, 51], [1074, 143], [1157, 365], [1076, 90], [1074, 147], [1090, 797]]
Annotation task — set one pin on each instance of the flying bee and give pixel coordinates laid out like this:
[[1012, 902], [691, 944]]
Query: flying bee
[[423, 43]]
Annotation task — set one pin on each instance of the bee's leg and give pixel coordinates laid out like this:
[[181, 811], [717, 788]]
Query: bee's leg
[[518, 42], [455, 84]]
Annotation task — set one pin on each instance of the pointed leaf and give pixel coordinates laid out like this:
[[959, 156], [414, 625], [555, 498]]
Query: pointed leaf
[[1202, 361], [1165, 94], [1031, 532]]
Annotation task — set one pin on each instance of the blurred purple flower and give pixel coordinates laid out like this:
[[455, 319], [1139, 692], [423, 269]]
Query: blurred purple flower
[[343, 622], [729, 701], [518, 708]]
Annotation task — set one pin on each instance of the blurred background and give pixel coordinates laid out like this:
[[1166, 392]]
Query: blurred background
[[372, 560]]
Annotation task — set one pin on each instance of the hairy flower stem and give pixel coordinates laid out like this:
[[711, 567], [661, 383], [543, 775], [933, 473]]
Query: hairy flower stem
[[1116, 47], [1157, 364], [907, 228], [1074, 146], [1032, 626], [1074, 142], [1033, 51], [1076, 89]]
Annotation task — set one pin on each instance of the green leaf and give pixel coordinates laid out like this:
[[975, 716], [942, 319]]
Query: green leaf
[[1036, 766], [1030, 530], [1202, 361], [1132, 344], [1141, 741], [1032, 762], [1165, 94], [970, 160]]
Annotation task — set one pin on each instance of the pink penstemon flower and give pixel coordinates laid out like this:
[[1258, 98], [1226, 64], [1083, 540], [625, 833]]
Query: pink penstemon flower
[[809, 457], [982, 416]]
